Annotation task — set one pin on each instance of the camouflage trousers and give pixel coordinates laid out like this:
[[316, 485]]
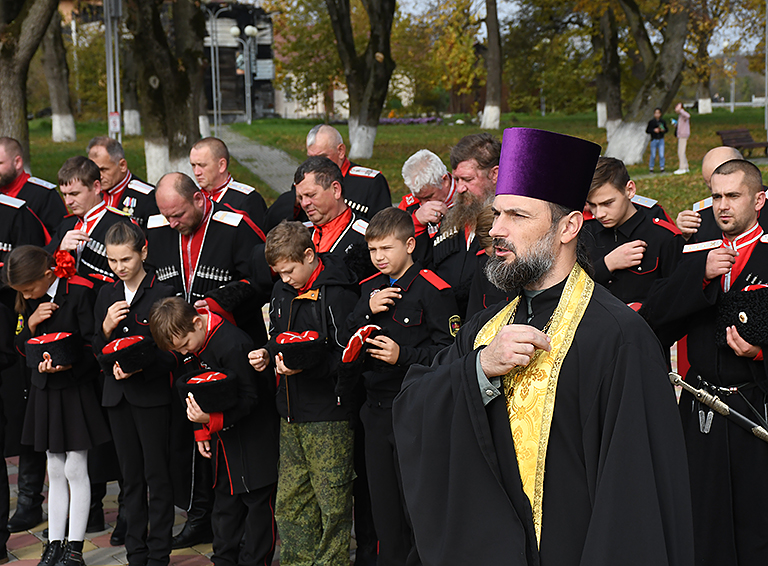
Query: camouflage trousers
[[314, 493]]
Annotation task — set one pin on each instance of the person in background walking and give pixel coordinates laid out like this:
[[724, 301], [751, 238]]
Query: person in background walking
[[683, 132]]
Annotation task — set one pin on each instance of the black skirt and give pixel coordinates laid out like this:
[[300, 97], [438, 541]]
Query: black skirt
[[63, 420]]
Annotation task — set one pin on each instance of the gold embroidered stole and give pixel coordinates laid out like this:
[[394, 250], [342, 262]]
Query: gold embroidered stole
[[530, 390]]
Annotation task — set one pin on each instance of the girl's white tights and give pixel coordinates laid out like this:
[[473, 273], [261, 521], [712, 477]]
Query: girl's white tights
[[69, 492]]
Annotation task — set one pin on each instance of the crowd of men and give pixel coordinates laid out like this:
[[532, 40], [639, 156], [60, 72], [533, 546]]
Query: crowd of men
[[569, 288]]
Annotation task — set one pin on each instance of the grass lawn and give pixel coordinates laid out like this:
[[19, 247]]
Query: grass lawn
[[395, 143], [47, 157]]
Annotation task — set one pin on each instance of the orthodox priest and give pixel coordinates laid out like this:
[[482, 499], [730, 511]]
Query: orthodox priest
[[548, 433]]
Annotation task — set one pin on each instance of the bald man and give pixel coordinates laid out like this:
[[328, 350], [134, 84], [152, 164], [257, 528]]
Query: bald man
[[365, 190], [698, 224]]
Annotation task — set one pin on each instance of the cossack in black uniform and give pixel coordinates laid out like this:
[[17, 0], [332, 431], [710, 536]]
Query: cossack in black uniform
[[41, 197], [244, 451], [366, 191], [662, 254], [91, 259], [422, 322]]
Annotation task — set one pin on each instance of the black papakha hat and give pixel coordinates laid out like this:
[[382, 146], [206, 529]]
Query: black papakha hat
[[214, 391], [746, 310], [133, 353], [300, 350], [62, 348]]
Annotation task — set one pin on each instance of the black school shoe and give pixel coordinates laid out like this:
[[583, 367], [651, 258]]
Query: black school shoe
[[71, 557], [52, 552]]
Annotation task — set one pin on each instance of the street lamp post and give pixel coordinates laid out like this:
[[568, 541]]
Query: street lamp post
[[215, 76], [112, 17], [250, 32]]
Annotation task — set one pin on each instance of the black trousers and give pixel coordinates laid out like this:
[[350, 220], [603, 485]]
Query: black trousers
[[251, 514], [141, 436], [396, 542]]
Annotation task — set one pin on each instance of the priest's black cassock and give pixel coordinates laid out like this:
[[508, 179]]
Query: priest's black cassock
[[616, 488]]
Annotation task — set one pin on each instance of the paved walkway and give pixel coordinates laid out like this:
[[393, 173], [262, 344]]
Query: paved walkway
[[25, 548], [273, 166]]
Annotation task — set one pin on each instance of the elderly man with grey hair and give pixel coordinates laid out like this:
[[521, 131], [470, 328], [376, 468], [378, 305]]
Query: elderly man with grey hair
[[365, 190]]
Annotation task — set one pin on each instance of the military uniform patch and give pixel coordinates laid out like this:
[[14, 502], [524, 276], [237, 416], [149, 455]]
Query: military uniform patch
[[454, 323], [19, 324]]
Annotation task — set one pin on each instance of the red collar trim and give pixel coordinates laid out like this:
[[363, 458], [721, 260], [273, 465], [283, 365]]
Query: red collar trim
[[745, 239], [207, 211], [214, 322], [325, 236], [451, 194], [112, 196], [219, 191], [12, 189], [313, 277], [345, 167]]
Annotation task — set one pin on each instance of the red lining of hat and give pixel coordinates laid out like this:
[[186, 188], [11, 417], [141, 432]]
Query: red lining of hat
[[206, 377], [356, 343], [120, 343], [49, 338], [291, 337]]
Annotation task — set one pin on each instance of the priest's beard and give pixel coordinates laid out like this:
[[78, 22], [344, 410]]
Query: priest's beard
[[523, 270], [464, 212]]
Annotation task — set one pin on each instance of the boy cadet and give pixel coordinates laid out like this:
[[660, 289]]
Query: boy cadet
[[417, 313], [629, 247], [314, 498], [241, 442], [82, 232]]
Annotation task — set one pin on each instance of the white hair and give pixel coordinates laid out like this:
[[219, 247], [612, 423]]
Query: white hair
[[333, 134], [423, 169]]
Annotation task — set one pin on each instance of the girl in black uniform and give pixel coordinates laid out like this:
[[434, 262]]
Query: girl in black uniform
[[63, 416], [138, 403]]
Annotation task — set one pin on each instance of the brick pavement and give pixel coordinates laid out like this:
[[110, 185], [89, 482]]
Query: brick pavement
[[25, 548]]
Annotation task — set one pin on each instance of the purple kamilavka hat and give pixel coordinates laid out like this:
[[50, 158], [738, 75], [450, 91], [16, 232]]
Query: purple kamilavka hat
[[546, 166]]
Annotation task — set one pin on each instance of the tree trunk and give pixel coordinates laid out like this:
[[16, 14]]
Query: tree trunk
[[22, 26], [57, 76], [492, 109], [165, 82], [367, 74], [663, 76], [131, 113], [605, 40]]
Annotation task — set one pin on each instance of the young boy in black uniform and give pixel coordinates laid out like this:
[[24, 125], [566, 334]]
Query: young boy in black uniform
[[241, 441], [314, 297], [418, 316], [629, 247]]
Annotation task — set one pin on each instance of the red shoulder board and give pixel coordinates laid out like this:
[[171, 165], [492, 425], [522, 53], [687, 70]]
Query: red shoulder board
[[369, 278], [668, 225], [434, 279], [77, 280], [588, 214], [100, 277]]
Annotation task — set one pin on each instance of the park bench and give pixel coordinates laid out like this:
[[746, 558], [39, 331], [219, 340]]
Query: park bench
[[742, 140]]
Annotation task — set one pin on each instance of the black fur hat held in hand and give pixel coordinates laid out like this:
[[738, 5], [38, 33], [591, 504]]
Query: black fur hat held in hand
[[133, 353], [62, 348], [214, 391], [300, 350], [746, 310]]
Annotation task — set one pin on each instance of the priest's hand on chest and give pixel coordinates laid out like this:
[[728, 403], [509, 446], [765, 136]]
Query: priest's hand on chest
[[513, 346]]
